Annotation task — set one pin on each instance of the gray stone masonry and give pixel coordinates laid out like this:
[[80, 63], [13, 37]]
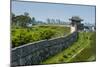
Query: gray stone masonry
[[34, 53]]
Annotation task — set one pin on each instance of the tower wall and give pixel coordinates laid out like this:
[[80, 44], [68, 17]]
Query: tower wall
[[73, 28]]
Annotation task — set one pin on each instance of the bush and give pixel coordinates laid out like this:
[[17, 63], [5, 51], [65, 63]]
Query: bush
[[61, 60], [23, 36], [20, 37], [46, 33], [64, 56]]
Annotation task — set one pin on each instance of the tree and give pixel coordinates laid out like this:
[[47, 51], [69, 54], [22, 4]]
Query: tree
[[52, 21], [58, 21], [23, 20], [33, 21], [13, 18], [81, 26], [48, 21], [12, 15]]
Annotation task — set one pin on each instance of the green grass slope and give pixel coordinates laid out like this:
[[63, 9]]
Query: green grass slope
[[82, 50]]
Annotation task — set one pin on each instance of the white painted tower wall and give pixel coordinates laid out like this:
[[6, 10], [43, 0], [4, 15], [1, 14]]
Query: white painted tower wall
[[73, 28]]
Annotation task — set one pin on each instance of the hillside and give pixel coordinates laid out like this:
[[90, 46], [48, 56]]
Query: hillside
[[82, 50]]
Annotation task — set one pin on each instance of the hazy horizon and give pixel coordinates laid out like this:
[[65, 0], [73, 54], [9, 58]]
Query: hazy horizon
[[42, 11]]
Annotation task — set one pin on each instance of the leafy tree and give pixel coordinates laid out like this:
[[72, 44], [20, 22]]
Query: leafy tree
[[80, 26], [48, 20], [23, 20], [13, 18], [46, 33], [33, 21]]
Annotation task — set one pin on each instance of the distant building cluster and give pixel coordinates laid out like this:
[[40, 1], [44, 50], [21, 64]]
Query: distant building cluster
[[89, 28]]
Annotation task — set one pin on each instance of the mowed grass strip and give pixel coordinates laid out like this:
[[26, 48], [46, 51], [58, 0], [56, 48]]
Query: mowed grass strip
[[89, 53], [75, 51]]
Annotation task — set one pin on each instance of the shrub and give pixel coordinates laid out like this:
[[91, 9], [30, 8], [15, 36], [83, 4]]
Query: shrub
[[23, 36], [64, 56], [20, 37], [46, 33], [61, 60]]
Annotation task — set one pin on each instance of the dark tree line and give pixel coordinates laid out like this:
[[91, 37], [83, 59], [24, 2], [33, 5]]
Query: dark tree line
[[22, 20], [55, 21], [25, 20]]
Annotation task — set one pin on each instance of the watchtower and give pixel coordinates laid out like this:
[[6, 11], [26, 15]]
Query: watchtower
[[75, 23]]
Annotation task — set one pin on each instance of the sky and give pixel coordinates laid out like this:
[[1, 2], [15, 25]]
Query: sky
[[42, 11]]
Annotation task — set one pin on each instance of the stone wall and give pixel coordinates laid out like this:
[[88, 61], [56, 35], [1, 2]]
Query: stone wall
[[34, 53]]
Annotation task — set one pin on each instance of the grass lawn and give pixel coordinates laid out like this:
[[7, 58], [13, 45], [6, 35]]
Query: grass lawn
[[88, 53], [82, 50]]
